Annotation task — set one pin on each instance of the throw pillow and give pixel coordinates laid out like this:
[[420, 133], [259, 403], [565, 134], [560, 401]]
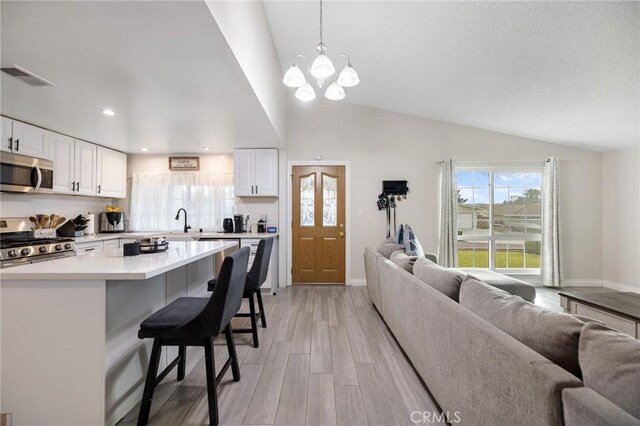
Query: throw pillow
[[446, 281], [400, 258], [554, 335], [386, 249], [610, 363], [399, 235], [411, 244]]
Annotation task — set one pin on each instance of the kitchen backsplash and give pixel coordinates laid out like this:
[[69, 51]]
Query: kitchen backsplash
[[25, 205]]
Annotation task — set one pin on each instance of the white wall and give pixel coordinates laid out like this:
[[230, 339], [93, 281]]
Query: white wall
[[245, 27], [620, 225], [383, 145]]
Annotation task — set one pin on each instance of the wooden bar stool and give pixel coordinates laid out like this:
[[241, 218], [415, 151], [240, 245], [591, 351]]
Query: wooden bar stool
[[197, 321]]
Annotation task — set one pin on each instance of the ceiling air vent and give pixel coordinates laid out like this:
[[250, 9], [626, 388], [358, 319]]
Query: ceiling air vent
[[27, 76]]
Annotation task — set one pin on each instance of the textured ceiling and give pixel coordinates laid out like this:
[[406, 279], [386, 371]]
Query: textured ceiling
[[164, 67], [564, 72]]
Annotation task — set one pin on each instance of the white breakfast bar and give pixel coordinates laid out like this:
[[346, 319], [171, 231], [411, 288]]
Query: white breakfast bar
[[69, 353]]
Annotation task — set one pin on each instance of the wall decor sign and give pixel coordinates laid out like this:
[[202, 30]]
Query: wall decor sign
[[184, 163]]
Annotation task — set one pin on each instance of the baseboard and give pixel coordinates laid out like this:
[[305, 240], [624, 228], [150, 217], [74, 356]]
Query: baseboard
[[620, 287], [582, 283], [358, 282]]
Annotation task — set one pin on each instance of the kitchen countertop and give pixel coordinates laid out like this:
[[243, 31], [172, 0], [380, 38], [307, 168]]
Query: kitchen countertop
[[194, 235], [111, 265]]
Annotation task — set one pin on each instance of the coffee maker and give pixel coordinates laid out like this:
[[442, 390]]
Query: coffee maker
[[238, 223], [227, 225]]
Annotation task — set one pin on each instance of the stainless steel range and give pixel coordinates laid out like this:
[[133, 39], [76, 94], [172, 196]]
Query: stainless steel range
[[17, 247]]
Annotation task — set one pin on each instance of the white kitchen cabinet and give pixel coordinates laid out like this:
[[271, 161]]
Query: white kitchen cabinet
[[256, 172], [83, 248], [111, 173], [63, 155], [111, 245], [6, 129], [85, 168], [25, 139]]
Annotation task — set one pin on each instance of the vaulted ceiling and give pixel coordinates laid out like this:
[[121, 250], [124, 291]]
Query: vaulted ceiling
[[565, 72]]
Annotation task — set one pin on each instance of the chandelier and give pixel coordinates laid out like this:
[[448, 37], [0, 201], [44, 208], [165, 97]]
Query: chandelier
[[323, 72]]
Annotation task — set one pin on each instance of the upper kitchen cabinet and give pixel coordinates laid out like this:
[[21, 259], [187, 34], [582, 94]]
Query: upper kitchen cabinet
[[63, 155], [24, 139], [85, 168], [111, 173], [256, 172]]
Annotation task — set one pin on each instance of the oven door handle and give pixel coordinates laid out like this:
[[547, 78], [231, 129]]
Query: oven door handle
[[38, 182]]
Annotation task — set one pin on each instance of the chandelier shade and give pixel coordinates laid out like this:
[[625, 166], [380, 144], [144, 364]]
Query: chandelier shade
[[334, 92], [305, 93], [322, 67], [294, 77], [348, 77], [321, 71]]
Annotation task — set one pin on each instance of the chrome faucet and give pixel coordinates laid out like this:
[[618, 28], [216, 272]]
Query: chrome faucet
[[186, 226]]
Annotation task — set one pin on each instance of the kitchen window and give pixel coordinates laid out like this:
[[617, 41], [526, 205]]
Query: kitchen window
[[156, 197], [499, 218]]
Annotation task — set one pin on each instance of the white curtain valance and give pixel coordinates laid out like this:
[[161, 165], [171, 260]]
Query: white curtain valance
[[156, 197]]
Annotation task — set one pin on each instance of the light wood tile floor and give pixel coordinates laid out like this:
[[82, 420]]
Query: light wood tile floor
[[326, 358]]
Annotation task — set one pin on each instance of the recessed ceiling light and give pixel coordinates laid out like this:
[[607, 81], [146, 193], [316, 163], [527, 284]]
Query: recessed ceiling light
[[108, 112], [206, 148], [144, 149]]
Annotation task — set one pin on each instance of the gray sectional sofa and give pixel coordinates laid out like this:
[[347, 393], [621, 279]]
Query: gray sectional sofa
[[474, 368]]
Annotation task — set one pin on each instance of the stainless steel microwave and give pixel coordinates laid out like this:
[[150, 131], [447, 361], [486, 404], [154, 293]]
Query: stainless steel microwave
[[19, 173]]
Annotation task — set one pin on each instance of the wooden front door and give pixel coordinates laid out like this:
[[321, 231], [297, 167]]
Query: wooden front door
[[318, 234]]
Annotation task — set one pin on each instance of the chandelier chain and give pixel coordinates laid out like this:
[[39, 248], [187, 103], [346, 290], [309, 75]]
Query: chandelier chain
[[320, 21]]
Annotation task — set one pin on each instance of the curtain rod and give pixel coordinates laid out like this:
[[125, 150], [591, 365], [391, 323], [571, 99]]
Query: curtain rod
[[568, 160]]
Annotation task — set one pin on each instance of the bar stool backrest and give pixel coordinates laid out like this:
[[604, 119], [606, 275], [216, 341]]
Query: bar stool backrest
[[260, 268], [226, 298]]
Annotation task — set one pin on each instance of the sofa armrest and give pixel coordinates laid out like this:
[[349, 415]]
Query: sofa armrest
[[432, 257], [584, 407]]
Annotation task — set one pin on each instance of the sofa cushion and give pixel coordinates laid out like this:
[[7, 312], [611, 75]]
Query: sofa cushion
[[554, 335], [446, 281], [386, 249], [411, 244], [399, 237], [504, 282], [610, 363], [406, 262]]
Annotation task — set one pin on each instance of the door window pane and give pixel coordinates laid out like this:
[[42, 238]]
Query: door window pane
[[329, 200], [307, 200]]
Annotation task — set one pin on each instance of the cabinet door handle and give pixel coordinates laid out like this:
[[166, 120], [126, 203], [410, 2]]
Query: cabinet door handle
[[17, 145], [252, 189], [73, 186], [256, 189], [99, 188], [78, 186], [90, 249], [10, 144]]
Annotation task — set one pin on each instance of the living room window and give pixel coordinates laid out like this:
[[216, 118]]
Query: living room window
[[499, 218]]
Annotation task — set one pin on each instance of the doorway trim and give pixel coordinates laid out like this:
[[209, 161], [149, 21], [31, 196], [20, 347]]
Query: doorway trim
[[347, 215]]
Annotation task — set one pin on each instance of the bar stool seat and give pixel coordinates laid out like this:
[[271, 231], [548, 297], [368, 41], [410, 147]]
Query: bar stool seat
[[197, 321], [178, 312]]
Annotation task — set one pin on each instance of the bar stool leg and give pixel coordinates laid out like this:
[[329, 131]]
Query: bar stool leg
[[150, 383], [231, 346], [210, 371], [254, 323], [263, 317], [182, 365]]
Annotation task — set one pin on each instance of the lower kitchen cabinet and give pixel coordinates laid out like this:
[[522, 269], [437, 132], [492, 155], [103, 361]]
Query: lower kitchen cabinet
[[83, 248]]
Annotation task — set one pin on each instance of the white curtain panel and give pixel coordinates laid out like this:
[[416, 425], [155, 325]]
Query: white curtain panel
[[448, 251], [156, 198], [551, 256]]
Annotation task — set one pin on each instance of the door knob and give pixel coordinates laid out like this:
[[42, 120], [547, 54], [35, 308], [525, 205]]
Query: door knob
[[342, 234]]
